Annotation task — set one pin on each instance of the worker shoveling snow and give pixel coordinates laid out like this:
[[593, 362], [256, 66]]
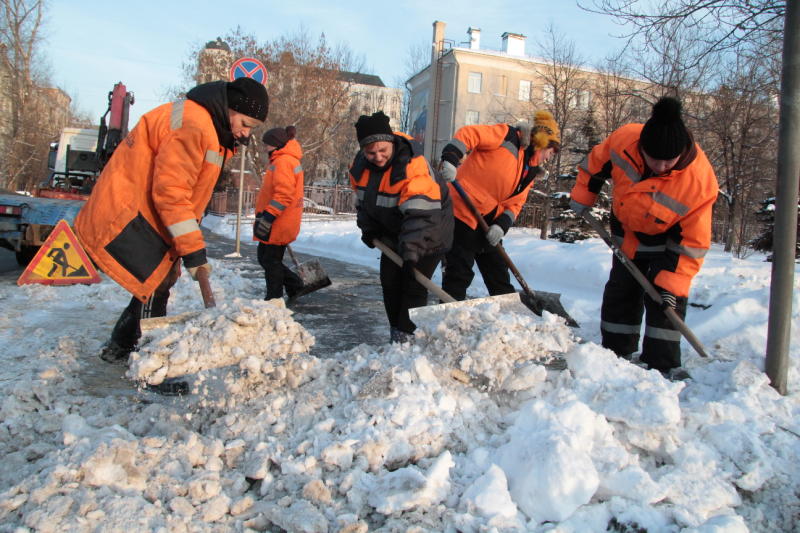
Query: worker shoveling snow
[[249, 333]]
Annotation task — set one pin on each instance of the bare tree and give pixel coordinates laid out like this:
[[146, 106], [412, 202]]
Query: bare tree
[[309, 88], [417, 58], [566, 95], [617, 97], [33, 117], [741, 133], [720, 26]]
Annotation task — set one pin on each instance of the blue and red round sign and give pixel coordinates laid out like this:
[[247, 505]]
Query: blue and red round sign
[[247, 67]]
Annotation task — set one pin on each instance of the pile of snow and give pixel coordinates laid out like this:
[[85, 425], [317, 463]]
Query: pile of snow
[[250, 333], [389, 437]]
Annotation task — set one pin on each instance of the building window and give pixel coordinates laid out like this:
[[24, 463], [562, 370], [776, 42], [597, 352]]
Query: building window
[[474, 84], [525, 90], [582, 99], [473, 117], [500, 85], [548, 94]]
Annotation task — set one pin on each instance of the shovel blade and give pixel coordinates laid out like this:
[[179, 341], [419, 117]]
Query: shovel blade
[[313, 276], [538, 301]]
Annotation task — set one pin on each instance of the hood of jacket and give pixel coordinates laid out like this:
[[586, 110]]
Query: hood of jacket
[[292, 148], [213, 96]]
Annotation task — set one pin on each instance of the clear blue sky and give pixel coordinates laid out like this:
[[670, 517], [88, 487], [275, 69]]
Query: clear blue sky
[[93, 44]]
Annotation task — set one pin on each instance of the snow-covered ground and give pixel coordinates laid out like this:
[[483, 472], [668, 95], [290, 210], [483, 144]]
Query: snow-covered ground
[[465, 429]]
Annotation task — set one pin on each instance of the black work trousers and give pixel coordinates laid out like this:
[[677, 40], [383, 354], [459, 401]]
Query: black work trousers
[[401, 293], [624, 301], [127, 330], [470, 247], [276, 274]]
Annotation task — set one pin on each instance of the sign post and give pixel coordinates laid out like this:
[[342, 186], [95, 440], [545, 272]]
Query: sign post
[[246, 67]]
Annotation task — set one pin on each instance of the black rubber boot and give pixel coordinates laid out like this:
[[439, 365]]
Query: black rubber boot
[[114, 353], [398, 336]]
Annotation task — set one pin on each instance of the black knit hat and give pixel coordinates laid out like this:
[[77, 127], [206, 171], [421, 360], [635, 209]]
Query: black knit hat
[[278, 137], [373, 129], [664, 135], [248, 97]]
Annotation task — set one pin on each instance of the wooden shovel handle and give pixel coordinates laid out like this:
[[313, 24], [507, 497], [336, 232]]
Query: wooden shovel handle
[[294, 259], [499, 246], [419, 276], [205, 288]]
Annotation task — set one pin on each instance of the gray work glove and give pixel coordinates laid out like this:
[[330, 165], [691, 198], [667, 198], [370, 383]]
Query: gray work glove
[[578, 207], [448, 171], [262, 226], [495, 234], [667, 299]]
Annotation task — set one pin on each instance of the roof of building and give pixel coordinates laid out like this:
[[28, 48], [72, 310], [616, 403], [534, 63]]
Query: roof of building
[[362, 79]]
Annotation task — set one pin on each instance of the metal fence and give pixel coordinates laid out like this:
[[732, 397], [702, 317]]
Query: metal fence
[[335, 200], [331, 200]]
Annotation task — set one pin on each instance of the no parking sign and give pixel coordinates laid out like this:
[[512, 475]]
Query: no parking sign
[[248, 67]]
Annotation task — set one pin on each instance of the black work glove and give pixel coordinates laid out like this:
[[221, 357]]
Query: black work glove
[[408, 268], [195, 261], [263, 225], [367, 237], [667, 299]]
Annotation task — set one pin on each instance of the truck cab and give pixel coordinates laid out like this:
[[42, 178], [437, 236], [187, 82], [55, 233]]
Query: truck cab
[[74, 165]]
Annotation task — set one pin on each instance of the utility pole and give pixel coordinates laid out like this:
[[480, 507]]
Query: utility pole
[[785, 237]]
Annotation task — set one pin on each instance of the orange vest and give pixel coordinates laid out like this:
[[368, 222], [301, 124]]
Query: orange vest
[[281, 193], [404, 201], [144, 212], [492, 172], [675, 209]]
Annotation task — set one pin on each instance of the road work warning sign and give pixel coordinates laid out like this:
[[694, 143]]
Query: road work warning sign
[[60, 261]]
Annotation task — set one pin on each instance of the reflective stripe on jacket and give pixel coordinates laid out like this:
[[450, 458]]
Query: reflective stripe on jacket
[[144, 212], [281, 193], [494, 173], [403, 201], [668, 215]]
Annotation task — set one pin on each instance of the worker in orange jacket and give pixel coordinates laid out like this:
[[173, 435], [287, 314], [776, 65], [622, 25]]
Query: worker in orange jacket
[[500, 163], [279, 209], [143, 215], [664, 189], [399, 201]]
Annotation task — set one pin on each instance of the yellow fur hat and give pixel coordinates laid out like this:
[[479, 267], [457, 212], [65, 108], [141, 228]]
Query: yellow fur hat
[[545, 131]]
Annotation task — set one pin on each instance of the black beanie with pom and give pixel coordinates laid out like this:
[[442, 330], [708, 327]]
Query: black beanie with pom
[[278, 137], [664, 135]]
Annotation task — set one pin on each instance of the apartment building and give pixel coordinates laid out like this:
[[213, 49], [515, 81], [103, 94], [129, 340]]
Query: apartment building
[[466, 84]]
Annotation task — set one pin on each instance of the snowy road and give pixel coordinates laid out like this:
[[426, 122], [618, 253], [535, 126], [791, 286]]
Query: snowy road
[[354, 298]]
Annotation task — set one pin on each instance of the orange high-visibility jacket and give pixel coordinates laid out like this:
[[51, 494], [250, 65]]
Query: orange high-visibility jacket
[[494, 173], [281, 193], [143, 213], [668, 215], [403, 202]]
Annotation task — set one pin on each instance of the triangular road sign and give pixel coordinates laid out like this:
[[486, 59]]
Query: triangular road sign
[[60, 261]]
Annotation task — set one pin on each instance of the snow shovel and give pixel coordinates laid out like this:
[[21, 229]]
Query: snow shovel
[[419, 276], [431, 314], [651, 291], [536, 301], [311, 273], [208, 301]]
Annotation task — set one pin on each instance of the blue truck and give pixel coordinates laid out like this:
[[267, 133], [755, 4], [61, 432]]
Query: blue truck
[[26, 221]]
